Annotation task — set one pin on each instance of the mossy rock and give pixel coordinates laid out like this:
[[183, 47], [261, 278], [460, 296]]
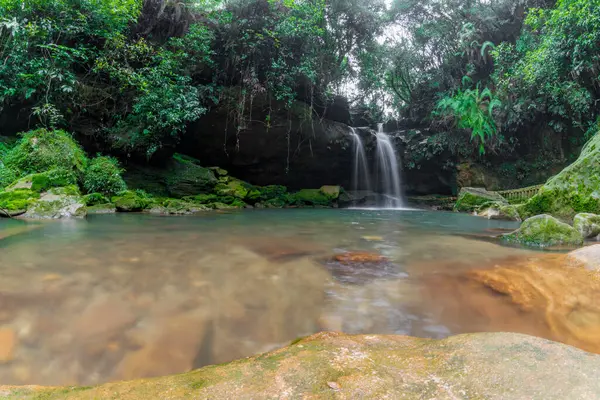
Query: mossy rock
[[499, 211], [471, 199], [576, 189], [107, 208], [131, 201], [18, 200], [588, 225], [94, 199], [177, 207], [202, 198], [58, 203], [234, 187], [184, 176], [312, 197], [43, 150], [332, 192], [339, 366], [46, 180], [219, 171], [544, 231]]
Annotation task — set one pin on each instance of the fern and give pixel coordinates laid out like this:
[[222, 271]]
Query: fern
[[472, 109]]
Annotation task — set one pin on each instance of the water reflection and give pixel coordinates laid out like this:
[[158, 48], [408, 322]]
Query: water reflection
[[127, 296]]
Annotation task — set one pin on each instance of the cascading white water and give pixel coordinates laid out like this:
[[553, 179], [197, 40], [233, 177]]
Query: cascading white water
[[361, 177], [388, 171]]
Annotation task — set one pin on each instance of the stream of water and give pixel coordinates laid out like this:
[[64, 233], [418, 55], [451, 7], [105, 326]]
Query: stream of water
[[127, 296]]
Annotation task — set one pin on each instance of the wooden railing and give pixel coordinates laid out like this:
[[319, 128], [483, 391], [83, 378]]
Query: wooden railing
[[520, 194]]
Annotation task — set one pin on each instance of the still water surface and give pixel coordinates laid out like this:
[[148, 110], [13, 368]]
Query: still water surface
[[126, 296]]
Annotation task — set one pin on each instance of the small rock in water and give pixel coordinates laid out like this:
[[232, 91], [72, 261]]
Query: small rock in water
[[8, 342], [360, 257], [372, 238], [360, 267]]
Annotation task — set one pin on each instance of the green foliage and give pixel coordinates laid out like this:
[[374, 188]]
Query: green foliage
[[103, 175], [472, 109], [95, 199], [43, 150], [552, 69], [7, 175]]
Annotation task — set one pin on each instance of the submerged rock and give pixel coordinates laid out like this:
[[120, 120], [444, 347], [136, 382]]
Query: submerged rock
[[554, 289], [588, 225], [471, 199], [334, 365], [587, 257], [544, 231], [57, 203], [361, 267]]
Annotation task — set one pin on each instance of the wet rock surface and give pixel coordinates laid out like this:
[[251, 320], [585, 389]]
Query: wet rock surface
[[334, 365]]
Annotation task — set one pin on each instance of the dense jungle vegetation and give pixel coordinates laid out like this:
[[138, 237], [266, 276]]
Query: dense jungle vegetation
[[130, 75]]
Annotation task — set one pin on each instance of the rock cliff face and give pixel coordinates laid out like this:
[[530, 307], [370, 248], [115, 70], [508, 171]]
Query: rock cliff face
[[334, 365], [296, 150]]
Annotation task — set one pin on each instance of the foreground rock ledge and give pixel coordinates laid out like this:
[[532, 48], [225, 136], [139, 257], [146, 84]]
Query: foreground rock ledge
[[334, 365]]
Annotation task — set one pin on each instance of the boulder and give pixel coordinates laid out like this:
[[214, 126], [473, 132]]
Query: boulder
[[57, 203], [587, 224], [500, 211], [554, 295], [43, 181], [333, 192], [180, 176], [335, 365], [574, 190], [544, 231], [177, 207], [311, 197], [471, 199], [587, 257], [131, 201]]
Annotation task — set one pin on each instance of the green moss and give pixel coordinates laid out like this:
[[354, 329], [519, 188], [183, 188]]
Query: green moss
[[574, 190], [235, 188], [472, 199], [18, 199], [544, 231], [202, 198], [184, 176], [314, 197], [332, 192], [131, 201], [42, 150]]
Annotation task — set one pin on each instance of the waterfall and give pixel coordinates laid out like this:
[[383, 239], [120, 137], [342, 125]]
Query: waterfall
[[388, 170], [361, 177]]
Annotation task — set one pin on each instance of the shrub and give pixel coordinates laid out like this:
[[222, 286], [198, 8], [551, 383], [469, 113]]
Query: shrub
[[7, 176], [42, 150], [103, 175]]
